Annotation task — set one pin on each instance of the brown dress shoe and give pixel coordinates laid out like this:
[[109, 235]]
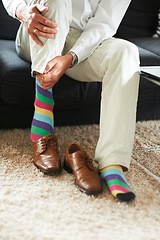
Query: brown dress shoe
[[87, 178], [45, 154]]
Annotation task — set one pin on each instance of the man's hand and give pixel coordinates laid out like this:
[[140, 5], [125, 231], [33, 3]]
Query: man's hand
[[54, 70], [35, 23]]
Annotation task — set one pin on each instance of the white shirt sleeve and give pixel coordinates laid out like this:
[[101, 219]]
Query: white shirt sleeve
[[11, 6], [101, 26]]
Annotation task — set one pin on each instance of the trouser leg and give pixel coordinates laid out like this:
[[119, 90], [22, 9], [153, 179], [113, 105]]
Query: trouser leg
[[118, 106], [115, 63], [61, 13]]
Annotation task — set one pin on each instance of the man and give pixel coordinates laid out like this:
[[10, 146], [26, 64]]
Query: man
[[75, 37]]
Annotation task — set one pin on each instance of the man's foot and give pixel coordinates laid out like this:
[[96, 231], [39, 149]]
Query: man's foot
[[118, 186], [45, 154], [86, 177]]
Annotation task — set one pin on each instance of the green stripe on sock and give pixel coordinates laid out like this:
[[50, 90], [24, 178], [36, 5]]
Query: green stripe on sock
[[117, 182], [39, 131], [44, 99]]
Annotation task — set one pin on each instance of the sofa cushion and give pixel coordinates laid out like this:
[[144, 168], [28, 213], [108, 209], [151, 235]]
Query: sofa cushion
[[14, 76], [8, 25], [72, 94], [149, 49], [140, 19]]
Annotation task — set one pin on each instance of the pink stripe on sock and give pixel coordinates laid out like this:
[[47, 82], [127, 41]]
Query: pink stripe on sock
[[43, 105], [35, 137], [120, 188]]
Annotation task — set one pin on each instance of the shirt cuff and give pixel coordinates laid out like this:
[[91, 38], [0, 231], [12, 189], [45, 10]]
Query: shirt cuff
[[81, 53], [15, 4]]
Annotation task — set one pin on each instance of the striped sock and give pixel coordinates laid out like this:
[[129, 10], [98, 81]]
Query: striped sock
[[118, 186], [43, 122]]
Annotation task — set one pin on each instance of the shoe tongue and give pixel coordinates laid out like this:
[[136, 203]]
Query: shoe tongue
[[47, 136]]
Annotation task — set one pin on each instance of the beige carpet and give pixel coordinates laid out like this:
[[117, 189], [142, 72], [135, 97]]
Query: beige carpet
[[34, 206]]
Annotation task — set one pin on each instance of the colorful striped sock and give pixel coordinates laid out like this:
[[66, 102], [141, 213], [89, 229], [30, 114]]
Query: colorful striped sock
[[43, 123], [118, 186]]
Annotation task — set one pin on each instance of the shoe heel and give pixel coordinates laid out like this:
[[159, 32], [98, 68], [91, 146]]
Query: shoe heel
[[67, 167]]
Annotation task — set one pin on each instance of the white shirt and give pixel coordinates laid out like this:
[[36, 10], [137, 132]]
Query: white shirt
[[99, 20]]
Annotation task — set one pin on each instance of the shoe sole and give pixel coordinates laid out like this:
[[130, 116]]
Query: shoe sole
[[67, 168], [55, 172], [70, 171]]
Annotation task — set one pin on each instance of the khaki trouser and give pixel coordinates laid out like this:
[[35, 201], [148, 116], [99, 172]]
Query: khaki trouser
[[115, 63]]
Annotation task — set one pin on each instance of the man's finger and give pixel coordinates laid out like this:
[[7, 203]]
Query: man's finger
[[35, 38], [45, 29], [45, 21], [42, 34], [50, 65]]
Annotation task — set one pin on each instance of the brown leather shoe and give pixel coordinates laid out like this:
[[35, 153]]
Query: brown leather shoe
[[87, 178], [45, 154]]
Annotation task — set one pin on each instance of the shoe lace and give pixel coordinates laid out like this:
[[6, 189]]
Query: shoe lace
[[88, 161], [42, 146]]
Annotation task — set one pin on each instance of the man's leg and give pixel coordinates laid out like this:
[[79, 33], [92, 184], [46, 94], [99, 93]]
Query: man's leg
[[44, 143], [60, 12], [115, 63]]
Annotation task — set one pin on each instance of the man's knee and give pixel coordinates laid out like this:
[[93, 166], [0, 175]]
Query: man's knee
[[118, 54], [57, 3], [56, 7], [127, 50]]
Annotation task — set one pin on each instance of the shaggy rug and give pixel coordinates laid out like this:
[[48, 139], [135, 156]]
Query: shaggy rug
[[34, 206]]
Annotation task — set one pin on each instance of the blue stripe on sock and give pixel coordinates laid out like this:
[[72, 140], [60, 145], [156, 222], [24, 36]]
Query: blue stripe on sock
[[112, 171], [43, 118]]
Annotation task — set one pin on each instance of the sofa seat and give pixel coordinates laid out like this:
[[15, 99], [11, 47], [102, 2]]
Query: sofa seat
[[149, 49]]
